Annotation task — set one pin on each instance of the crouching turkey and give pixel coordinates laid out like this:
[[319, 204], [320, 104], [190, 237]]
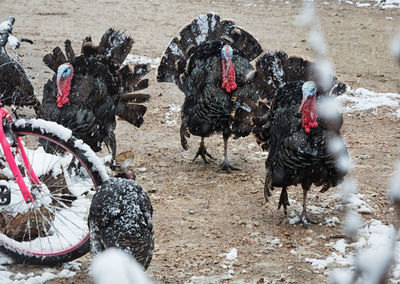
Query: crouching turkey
[[300, 129], [89, 90], [209, 63], [121, 216]]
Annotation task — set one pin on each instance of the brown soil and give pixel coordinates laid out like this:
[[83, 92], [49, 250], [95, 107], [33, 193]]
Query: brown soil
[[200, 213]]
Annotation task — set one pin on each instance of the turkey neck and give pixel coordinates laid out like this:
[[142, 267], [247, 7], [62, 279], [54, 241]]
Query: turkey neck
[[63, 89], [309, 114], [228, 75]]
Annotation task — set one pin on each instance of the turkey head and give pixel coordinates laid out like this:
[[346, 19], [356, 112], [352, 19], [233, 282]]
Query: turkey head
[[64, 76], [308, 106], [228, 71]]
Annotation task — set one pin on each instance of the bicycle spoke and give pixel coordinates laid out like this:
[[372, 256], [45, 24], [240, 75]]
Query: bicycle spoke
[[54, 225]]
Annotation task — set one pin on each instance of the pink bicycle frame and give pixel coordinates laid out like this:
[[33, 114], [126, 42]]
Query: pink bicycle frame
[[11, 161]]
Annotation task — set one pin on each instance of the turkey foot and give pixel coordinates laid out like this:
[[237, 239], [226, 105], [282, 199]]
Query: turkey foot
[[203, 153], [227, 167], [304, 219], [284, 200]]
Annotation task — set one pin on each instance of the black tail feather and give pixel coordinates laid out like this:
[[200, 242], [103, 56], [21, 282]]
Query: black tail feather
[[68, 50], [115, 46], [132, 113], [55, 59]]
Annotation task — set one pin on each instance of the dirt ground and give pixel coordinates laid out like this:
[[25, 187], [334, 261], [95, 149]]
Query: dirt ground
[[200, 213]]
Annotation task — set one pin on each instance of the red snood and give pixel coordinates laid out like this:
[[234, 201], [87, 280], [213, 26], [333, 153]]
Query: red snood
[[228, 76], [64, 86], [309, 114]]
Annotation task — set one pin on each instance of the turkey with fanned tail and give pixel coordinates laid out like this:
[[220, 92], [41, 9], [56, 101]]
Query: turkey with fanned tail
[[209, 63], [89, 90], [121, 216], [15, 85], [298, 126]]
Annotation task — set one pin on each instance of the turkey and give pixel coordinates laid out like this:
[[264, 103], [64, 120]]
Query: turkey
[[15, 86], [121, 216], [89, 90], [300, 132], [209, 63]]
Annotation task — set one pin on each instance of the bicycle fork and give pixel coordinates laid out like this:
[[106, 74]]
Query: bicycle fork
[[12, 163]]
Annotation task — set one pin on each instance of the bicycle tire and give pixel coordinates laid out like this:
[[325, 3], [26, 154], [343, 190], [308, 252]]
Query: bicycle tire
[[69, 173]]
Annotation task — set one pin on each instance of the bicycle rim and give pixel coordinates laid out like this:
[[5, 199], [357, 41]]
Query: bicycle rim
[[55, 223]]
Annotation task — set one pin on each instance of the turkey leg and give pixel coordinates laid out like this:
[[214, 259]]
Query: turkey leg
[[202, 152], [303, 216], [226, 166]]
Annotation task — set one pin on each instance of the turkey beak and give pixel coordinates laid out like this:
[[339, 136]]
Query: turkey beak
[[228, 62], [58, 83], [302, 103]]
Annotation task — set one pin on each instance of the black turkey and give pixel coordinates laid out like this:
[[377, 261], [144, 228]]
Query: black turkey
[[300, 133], [121, 216], [209, 63], [89, 90], [15, 86]]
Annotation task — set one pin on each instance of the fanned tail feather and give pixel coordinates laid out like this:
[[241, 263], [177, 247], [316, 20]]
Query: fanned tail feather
[[205, 29], [129, 104], [261, 129], [275, 69], [15, 86], [115, 46], [132, 113], [55, 59]]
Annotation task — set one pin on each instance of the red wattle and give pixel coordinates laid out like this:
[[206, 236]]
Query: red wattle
[[61, 100], [228, 81], [64, 87], [309, 115]]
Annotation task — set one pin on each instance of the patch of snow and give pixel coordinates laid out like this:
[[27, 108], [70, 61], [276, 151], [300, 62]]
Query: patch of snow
[[332, 222], [358, 4], [340, 246], [362, 100], [210, 279], [38, 277], [175, 50], [374, 246], [383, 4], [232, 255], [5, 26], [134, 59], [173, 115], [13, 41], [47, 126]]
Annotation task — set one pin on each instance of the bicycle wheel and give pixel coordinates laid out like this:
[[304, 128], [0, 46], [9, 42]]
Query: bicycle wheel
[[53, 228]]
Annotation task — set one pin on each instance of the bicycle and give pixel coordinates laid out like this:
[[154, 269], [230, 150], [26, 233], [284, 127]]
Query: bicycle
[[47, 180]]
